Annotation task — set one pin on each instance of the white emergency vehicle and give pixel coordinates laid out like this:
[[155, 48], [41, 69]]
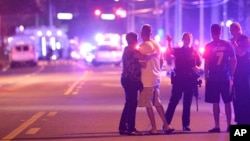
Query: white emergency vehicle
[[21, 50], [48, 42], [108, 50]]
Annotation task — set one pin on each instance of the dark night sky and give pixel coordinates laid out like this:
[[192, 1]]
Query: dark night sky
[[85, 23]]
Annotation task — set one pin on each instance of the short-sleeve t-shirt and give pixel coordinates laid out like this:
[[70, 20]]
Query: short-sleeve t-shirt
[[219, 54], [151, 75]]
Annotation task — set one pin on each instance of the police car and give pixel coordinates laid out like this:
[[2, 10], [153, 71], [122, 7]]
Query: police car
[[106, 54]]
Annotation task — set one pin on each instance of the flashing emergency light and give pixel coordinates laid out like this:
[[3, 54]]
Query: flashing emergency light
[[99, 37], [10, 39], [98, 12], [39, 33], [163, 49], [107, 16], [43, 44], [201, 50], [52, 42], [228, 23], [121, 13], [58, 45], [64, 16], [157, 38], [110, 38], [21, 28], [59, 33], [48, 33]]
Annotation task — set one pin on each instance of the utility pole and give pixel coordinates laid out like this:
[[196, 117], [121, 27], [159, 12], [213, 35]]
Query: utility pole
[[157, 13], [50, 14], [178, 21], [167, 32], [201, 23], [130, 17], [225, 28]]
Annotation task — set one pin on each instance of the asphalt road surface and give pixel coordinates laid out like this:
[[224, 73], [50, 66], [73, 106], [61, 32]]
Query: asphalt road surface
[[69, 101]]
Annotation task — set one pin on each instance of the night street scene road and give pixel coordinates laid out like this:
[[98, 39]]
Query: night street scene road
[[61, 65]]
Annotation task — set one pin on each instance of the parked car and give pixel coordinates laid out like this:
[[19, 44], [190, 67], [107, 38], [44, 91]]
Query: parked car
[[20, 54], [105, 54]]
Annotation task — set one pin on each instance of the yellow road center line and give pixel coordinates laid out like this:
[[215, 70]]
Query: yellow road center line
[[22, 127], [72, 87], [75, 93], [51, 114], [32, 131]]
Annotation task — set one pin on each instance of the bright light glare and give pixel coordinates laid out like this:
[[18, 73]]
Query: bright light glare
[[64, 16], [58, 45], [201, 50], [59, 33], [89, 58], [39, 33], [52, 42], [99, 37], [110, 39], [73, 54], [108, 16], [196, 42], [163, 49], [44, 48], [53, 57], [86, 47], [10, 39], [48, 33], [98, 12], [228, 23], [21, 28], [120, 12], [157, 38]]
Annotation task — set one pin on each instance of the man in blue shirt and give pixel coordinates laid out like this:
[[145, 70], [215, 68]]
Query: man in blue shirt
[[220, 63]]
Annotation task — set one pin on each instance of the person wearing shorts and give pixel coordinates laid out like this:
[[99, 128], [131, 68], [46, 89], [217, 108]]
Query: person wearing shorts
[[151, 76], [149, 97], [220, 64], [215, 90]]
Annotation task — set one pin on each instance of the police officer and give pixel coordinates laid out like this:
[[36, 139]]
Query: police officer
[[183, 78]]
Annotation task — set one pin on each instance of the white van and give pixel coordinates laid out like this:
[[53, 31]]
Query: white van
[[20, 54]]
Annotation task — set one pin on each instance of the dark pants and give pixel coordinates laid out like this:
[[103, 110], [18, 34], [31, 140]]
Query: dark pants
[[241, 101], [179, 88], [127, 121]]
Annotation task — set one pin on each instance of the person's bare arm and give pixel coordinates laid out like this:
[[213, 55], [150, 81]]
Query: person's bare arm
[[141, 56], [233, 65], [206, 71], [169, 44]]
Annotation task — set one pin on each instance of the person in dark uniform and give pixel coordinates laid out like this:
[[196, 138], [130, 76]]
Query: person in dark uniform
[[220, 63], [183, 78], [241, 100]]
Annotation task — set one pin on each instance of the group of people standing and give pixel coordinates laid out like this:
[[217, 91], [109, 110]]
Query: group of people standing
[[227, 71]]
